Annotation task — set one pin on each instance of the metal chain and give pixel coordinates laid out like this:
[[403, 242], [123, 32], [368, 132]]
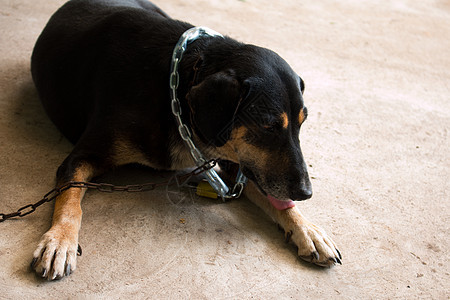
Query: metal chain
[[103, 187], [203, 166], [213, 178]]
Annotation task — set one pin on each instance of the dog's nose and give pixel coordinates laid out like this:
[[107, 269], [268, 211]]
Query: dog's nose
[[302, 193]]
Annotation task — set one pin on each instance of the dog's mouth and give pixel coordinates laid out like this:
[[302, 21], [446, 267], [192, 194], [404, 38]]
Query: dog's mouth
[[279, 204]]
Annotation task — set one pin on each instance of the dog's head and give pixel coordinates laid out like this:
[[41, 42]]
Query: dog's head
[[249, 111]]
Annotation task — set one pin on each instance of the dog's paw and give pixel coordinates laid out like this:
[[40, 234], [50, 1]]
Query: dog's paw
[[56, 254], [313, 244]]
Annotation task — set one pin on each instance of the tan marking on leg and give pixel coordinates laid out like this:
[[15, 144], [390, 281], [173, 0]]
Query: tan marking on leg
[[68, 204], [179, 154], [285, 119], [125, 153], [56, 254]]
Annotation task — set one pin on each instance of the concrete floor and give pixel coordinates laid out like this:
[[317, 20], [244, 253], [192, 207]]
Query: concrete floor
[[377, 138]]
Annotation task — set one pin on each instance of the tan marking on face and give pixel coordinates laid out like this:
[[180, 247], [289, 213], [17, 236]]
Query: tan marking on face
[[301, 117], [245, 150], [228, 152], [285, 119]]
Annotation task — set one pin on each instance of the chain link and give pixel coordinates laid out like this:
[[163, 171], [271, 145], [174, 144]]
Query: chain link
[[104, 187], [188, 37], [212, 177]]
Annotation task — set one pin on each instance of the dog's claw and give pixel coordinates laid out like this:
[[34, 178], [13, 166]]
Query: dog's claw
[[280, 228], [338, 261], [315, 255], [339, 253], [288, 236], [44, 273], [333, 259], [33, 263], [79, 250], [67, 270], [55, 276], [306, 258]]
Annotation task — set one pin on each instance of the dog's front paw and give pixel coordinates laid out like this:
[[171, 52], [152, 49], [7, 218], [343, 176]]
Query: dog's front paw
[[56, 254], [313, 244]]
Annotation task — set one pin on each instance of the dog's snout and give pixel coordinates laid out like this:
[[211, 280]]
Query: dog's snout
[[301, 189], [301, 194]]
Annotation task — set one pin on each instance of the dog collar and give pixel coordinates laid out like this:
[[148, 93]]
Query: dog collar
[[212, 177]]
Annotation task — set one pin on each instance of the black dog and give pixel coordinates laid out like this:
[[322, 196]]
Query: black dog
[[102, 72]]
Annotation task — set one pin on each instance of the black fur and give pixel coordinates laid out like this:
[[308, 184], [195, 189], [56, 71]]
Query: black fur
[[102, 69]]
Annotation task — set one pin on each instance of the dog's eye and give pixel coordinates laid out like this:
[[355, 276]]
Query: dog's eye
[[269, 128], [272, 127]]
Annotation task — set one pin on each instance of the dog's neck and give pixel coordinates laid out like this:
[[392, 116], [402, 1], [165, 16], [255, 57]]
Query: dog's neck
[[193, 69], [188, 71]]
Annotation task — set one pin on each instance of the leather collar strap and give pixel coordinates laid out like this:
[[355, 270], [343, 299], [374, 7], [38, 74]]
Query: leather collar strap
[[213, 178]]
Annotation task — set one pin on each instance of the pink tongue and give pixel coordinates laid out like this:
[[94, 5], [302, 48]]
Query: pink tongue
[[280, 205]]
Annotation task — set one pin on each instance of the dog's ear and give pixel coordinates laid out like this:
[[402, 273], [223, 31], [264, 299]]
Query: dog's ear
[[213, 105]]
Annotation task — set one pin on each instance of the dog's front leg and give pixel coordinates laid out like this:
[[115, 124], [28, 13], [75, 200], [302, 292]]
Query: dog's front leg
[[56, 254], [313, 243]]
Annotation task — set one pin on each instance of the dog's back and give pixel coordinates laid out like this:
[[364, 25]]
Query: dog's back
[[86, 44]]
